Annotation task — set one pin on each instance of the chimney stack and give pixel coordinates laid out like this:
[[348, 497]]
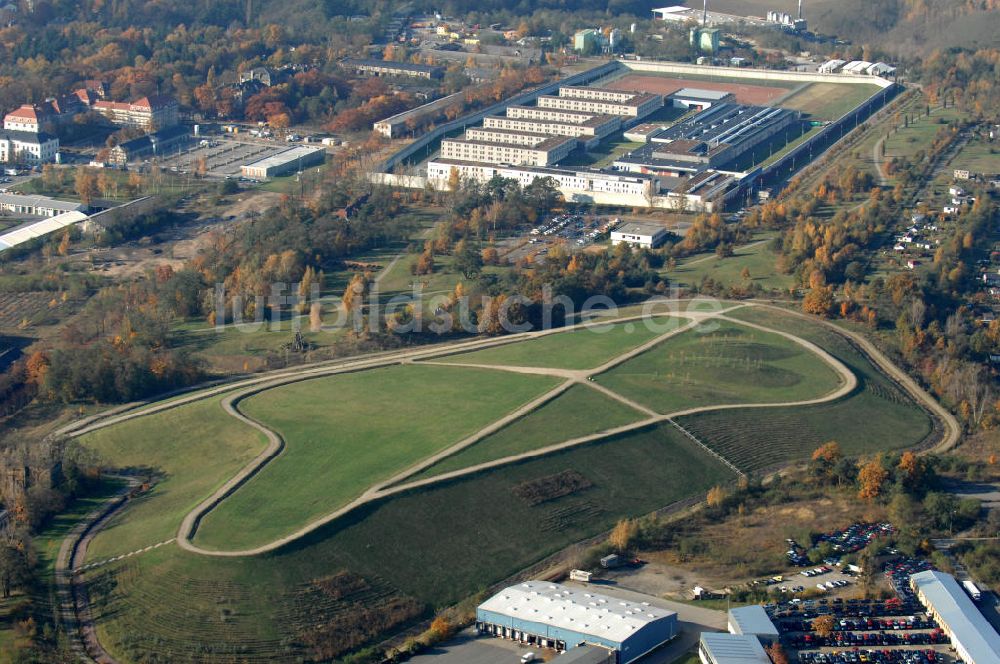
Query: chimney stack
[[704, 16], [800, 10]]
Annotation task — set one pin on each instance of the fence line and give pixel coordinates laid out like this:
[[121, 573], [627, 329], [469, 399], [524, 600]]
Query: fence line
[[705, 447]]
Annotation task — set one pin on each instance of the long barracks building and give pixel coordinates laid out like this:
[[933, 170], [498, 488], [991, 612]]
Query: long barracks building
[[543, 153], [633, 108], [592, 129]]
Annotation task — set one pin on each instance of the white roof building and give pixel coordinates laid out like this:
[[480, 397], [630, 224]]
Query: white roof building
[[39, 229], [554, 615], [752, 620], [830, 66], [972, 636], [723, 648], [881, 69], [857, 67], [639, 235], [678, 13]]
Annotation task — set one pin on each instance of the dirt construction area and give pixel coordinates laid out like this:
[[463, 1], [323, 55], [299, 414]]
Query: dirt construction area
[[745, 93]]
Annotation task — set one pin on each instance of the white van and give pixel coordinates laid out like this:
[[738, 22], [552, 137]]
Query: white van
[[527, 657]]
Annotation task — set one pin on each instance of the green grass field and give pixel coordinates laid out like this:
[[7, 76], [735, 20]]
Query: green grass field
[[756, 257], [828, 101], [907, 141], [583, 348], [191, 449], [979, 156], [346, 432], [579, 411], [436, 545], [727, 364]]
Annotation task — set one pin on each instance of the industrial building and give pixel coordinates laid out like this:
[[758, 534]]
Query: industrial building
[[639, 234], [550, 615], [753, 621], [372, 67], [544, 153], [710, 139], [587, 654], [699, 99], [284, 163], [722, 648], [641, 132], [973, 638], [37, 206]]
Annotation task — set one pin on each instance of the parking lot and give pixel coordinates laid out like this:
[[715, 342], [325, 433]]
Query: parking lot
[[575, 232], [466, 648], [223, 156]]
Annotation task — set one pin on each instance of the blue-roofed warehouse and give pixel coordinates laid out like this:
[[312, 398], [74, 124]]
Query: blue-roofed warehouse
[[972, 636], [550, 615]]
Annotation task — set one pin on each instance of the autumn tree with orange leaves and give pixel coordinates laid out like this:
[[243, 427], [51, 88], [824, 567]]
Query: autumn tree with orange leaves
[[777, 653], [871, 477], [823, 625]]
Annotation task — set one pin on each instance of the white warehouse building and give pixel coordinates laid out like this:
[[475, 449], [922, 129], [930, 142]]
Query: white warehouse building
[[973, 638], [648, 236]]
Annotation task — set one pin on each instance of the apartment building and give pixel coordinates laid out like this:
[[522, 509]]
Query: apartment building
[[28, 117], [151, 113], [27, 147]]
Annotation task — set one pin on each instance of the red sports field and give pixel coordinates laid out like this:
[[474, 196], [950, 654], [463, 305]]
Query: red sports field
[[745, 94]]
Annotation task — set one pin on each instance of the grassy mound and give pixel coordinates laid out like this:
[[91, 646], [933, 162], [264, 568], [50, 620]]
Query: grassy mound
[[721, 363], [579, 411], [346, 432], [876, 416], [191, 450], [431, 547]]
